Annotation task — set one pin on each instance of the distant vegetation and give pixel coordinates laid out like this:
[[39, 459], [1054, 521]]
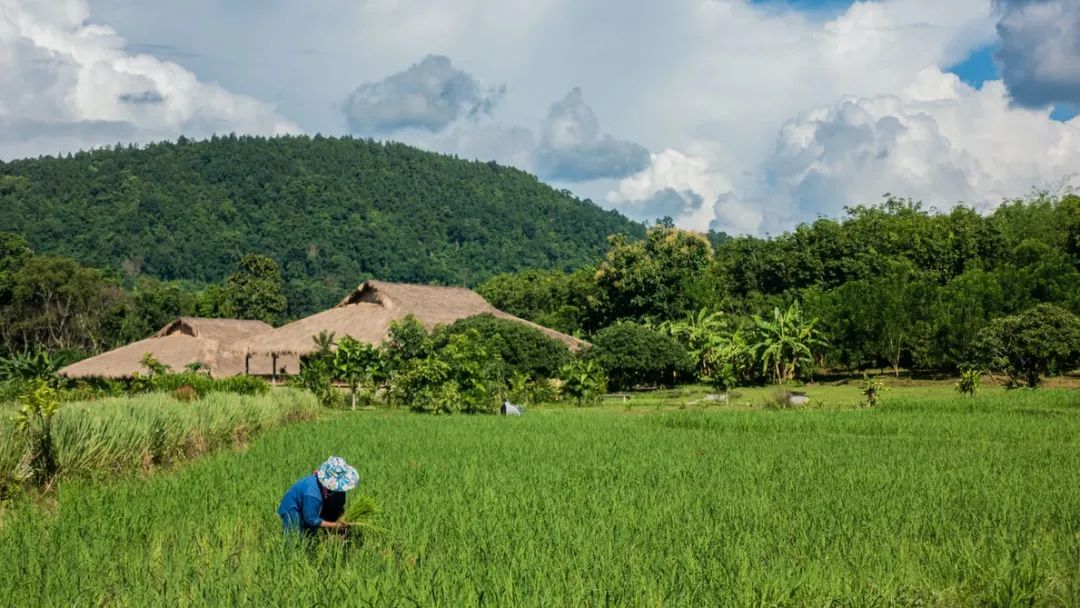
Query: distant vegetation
[[329, 211], [271, 229], [893, 286]]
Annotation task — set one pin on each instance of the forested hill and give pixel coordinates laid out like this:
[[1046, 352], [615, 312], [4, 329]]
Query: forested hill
[[331, 211]]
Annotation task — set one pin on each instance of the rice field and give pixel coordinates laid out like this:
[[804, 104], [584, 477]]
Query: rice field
[[920, 502]]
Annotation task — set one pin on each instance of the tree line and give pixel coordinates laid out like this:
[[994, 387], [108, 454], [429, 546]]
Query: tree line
[[889, 286]]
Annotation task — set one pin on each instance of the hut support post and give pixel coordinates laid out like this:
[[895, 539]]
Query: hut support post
[[273, 369], [247, 365]]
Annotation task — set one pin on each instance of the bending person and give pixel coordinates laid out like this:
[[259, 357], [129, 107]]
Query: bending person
[[317, 501]]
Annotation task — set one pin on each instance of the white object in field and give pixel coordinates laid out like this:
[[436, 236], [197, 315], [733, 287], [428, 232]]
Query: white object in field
[[798, 399], [718, 397], [509, 409]]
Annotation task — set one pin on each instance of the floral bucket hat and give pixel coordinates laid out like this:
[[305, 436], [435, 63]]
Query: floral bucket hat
[[337, 476]]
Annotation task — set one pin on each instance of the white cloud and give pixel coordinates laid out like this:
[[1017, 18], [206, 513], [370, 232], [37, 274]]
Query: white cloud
[[706, 195], [68, 83], [939, 141]]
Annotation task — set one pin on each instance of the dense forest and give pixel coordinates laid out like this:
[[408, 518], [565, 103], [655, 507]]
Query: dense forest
[[330, 211], [892, 286]]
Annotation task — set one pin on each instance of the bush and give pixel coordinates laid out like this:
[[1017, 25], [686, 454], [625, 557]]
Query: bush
[[635, 355], [583, 382], [1040, 341], [521, 348]]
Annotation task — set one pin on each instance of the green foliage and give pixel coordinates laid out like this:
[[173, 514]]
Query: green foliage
[[129, 434], [938, 502], [563, 301], [358, 364], [24, 367], [871, 388], [34, 419], [255, 291], [1042, 340], [316, 376], [637, 355], [785, 343], [583, 382], [425, 386], [969, 382], [520, 348], [362, 513], [330, 211], [406, 340], [652, 279]]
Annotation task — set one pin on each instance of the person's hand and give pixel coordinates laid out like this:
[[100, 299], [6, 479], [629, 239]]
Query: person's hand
[[343, 524]]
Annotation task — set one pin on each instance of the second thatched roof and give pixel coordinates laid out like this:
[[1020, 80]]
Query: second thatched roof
[[366, 314]]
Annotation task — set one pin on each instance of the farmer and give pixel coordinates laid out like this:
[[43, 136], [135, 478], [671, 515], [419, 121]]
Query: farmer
[[318, 500]]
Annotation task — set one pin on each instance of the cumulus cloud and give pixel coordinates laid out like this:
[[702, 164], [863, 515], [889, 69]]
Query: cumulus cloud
[[938, 140], [667, 202], [687, 189], [1040, 51], [68, 83], [429, 95], [573, 149]]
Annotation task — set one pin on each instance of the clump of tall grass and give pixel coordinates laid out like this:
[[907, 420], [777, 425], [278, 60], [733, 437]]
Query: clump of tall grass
[[126, 434]]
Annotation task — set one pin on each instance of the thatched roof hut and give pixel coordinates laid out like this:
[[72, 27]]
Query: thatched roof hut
[[366, 314], [185, 341]]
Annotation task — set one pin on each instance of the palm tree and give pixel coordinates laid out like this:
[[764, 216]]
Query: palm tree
[[785, 342]]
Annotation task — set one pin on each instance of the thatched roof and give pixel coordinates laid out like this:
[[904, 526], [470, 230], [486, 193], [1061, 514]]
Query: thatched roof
[[184, 341], [366, 314]]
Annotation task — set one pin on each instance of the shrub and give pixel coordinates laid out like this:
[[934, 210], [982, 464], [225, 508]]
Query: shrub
[[871, 388], [423, 385], [316, 376], [1040, 341], [634, 355], [521, 348], [583, 382], [35, 421], [969, 383]]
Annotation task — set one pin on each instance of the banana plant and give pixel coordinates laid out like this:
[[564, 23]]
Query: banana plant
[[785, 342]]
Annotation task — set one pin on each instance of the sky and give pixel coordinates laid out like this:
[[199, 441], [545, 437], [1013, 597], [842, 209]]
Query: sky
[[746, 116]]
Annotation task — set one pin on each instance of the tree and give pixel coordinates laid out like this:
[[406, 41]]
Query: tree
[[785, 342], [256, 291], [14, 254], [1042, 340], [357, 363], [633, 355], [58, 304], [519, 347], [656, 279]]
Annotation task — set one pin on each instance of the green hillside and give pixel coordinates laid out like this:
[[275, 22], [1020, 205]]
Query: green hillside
[[331, 211]]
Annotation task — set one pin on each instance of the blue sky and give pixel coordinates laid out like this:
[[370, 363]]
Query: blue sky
[[741, 115]]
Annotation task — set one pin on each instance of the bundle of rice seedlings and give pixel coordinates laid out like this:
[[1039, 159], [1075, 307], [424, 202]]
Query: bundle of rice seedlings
[[361, 512]]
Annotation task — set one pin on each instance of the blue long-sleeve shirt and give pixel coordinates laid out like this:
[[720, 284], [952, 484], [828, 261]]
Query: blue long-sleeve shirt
[[305, 506]]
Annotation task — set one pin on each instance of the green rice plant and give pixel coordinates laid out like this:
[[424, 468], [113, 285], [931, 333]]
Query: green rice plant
[[935, 500], [362, 513]]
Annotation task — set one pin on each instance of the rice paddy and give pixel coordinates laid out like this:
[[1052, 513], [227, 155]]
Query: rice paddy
[[922, 501]]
